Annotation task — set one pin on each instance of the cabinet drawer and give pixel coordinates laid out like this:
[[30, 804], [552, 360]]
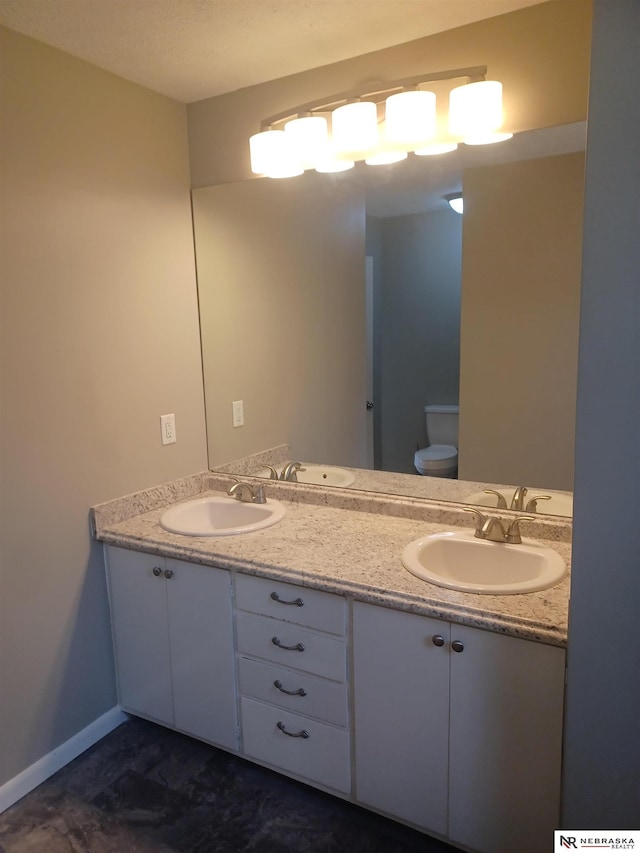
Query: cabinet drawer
[[309, 607], [324, 700], [321, 757], [266, 638]]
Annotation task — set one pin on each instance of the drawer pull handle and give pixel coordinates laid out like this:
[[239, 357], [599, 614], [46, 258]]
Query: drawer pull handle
[[297, 601], [157, 571], [297, 648], [299, 692], [303, 733]]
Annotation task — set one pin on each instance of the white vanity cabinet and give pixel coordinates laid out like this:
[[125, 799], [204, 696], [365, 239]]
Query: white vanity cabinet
[[173, 640], [450, 728], [458, 730], [292, 669]]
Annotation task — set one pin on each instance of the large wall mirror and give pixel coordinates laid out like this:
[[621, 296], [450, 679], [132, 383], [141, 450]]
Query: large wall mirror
[[320, 293]]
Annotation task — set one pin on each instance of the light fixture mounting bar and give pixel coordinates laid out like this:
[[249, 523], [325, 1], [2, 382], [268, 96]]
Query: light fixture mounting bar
[[374, 91]]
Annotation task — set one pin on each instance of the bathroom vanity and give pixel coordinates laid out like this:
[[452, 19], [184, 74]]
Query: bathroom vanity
[[308, 648]]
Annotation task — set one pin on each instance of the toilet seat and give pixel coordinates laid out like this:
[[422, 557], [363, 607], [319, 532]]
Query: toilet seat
[[436, 459]]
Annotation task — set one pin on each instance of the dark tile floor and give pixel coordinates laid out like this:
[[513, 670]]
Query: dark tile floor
[[145, 789]]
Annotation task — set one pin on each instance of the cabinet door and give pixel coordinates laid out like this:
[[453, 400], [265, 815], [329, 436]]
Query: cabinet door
[[202, 662], [401, 704], [505, 742], [138, 599]]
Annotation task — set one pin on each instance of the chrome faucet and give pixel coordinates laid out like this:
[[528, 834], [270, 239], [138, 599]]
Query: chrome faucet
[[289, 472], [273, 474], [517, 501], [246, 493], [492, 529]]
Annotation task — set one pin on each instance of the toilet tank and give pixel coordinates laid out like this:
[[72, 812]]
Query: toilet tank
[[442, 424]]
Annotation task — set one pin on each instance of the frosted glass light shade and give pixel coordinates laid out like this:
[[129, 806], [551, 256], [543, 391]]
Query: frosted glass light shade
[[410, 119], [309, 136], [332, 164], [436, 148], [456, 203], [273, 155], [487, 138], [383, 158], [354, 130], [475, 110]]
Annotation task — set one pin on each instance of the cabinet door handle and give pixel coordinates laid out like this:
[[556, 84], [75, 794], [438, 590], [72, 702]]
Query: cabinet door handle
[[299, 692], [297, 648], [457, 646], [297, 601], [303, 733], [157, 571], [438, 640], [168, 573]]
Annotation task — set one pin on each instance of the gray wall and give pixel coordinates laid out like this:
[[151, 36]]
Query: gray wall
[[602, 746], [281, 292], [99, 336], [521, 267], [417, 327]]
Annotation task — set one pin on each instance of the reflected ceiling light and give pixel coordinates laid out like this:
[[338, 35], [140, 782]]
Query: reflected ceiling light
[[455, 202], [475, 112], [379, 125], [410, 119]]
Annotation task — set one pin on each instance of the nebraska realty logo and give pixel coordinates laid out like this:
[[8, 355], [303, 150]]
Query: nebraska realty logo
[[596, 839]]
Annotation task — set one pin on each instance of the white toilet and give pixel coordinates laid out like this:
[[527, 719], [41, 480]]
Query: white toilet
[[440, 458]]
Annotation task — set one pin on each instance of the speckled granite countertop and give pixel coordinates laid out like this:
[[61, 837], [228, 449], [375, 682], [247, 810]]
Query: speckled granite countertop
[[387, 482], [343, 543]]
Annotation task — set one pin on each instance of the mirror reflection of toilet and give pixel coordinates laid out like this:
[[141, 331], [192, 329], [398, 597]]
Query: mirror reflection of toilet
[[440, 458]]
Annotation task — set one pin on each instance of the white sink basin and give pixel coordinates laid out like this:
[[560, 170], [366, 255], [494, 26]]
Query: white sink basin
[[559, 504], [220, 516], [460, 561], [321, 475], [326, 475]]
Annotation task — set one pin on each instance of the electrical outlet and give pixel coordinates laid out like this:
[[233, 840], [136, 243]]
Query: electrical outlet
[[168, 428], [237, 409]]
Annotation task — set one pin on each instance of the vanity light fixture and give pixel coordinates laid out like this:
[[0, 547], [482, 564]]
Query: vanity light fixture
[[380, 124], [455, 202], [475, 113]]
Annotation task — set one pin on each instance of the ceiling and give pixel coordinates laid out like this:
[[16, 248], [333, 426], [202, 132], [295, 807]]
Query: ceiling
[[195, 49]]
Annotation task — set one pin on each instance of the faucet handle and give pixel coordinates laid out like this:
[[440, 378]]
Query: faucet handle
[[273, 474], [513, 536], [480, 520], [532, 504], [259, 496], [502, 502]]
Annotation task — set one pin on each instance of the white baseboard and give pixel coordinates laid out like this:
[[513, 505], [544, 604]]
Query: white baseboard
[[24, 782]]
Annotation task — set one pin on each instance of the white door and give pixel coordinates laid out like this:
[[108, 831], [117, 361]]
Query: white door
[[138, 599], [401, 704], [202, 658], [505, 742]]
